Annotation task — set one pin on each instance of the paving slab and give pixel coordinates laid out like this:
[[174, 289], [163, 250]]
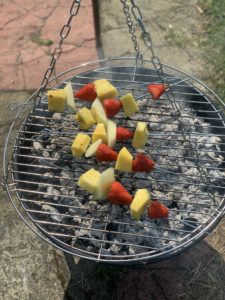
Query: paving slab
[[30, 31]]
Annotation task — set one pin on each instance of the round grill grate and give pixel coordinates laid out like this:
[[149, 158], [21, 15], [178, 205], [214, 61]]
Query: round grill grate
[[42, 175]]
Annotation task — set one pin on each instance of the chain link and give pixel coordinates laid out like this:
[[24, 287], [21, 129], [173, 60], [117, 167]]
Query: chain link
[[58, 49], [131, 28], [160, 72]]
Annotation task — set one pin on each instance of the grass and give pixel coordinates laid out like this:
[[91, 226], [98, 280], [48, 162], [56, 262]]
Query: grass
[[207, 280], [176, 37], [214, 44], [35, 38]]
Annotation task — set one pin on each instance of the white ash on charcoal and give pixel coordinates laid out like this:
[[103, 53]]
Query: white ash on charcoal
[[116, 247], [51, 193], [66, 177], [55, 156], [78, 208], [57, 117], [176, 181], [54, 213], [82, 230], [98, 229], [37, 148]]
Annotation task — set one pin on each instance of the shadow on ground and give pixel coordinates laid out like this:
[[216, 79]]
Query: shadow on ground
[[196, 274]]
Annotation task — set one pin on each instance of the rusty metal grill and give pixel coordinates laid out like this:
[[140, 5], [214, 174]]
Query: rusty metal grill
[[42, 180]]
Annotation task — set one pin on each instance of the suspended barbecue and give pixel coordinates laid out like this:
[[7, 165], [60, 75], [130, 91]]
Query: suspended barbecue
[[176, 204]]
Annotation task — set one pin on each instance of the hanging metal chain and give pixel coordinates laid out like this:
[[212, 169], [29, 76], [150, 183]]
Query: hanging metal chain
[[146, 38], [131, 28], [160, 72], [58, 49]]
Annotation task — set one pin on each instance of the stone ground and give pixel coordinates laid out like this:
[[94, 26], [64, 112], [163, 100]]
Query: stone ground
[[32, 269], [30, 30]]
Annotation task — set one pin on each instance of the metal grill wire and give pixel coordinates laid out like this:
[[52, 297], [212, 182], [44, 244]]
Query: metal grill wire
[[29, 169]]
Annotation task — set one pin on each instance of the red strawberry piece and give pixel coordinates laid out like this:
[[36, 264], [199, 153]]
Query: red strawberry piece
[[157, 210], [156, 90], [123, 134], [86, 93], [111, 107], [119, 195], [105, 153], [142, 163]]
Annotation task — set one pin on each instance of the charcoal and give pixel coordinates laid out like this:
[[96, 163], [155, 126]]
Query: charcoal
[[57, 117], [98, 229], [115, 248], [78, 208], [54, 212], [45, 154], [56, 155], [67, 177], [96, 243], [52, 193], [37, 146]]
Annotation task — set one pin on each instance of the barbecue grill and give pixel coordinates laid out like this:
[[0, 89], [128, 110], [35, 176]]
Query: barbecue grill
[[186, 140]]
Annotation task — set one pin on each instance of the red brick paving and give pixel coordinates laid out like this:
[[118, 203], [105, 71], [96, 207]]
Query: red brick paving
[[23, 23]]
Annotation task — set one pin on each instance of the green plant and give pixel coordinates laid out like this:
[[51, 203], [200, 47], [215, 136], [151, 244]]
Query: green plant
[[176, 38], [35, 38], [214, 45]]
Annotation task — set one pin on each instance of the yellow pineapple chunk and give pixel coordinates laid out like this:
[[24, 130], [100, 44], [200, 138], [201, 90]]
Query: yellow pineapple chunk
[[80, 144], [56, 100], [105, 89], [85, 118], [100, 133], [140, 136], [124, 160], [141, 200], [129, 104], [89, 181]]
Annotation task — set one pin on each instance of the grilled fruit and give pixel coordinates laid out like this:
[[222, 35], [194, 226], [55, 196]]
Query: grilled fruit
[[100, 133], [138, 205], [85, 118], [111, 131], [98, 112], [156, 90], [140, 136], [123, 134], [86, 93], [105, 181], [157, 210], [105, 153], [142, 163], [80, 144], [69, 96], [124, 160], [105, 89], [92, 149], [111, 107], [118, 194], [89, 181], [129, 104], [56, 100]]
